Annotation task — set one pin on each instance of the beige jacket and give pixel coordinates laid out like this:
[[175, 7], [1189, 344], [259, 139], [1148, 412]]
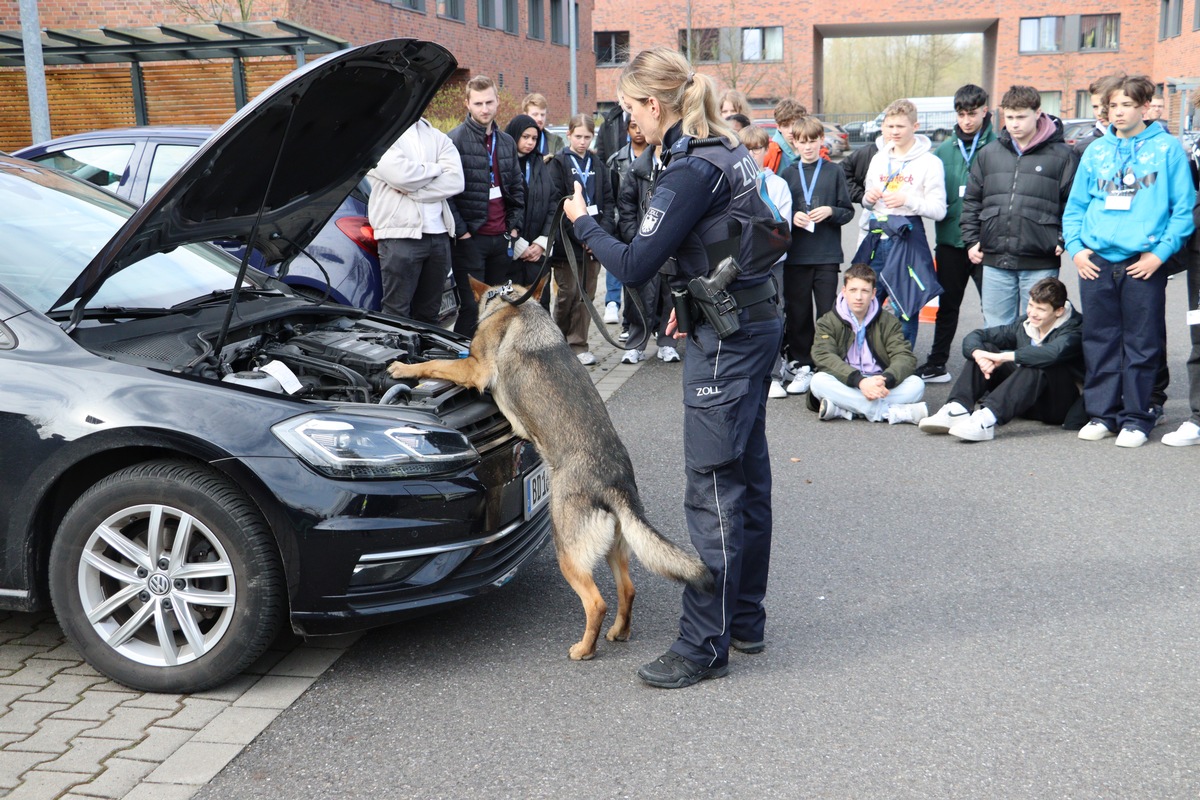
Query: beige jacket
[[421, 167]]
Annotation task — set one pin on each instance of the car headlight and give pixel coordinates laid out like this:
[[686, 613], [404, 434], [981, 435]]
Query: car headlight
[[364, 447]]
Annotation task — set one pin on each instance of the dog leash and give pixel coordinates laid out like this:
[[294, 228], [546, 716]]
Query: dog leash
[[635, 296]]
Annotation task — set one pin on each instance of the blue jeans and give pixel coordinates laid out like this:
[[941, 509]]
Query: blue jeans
[[851, 398], [1122, 343], [1005, 292], [612, 289], [908, 327]]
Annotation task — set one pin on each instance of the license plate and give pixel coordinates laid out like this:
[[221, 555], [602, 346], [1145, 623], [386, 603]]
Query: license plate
[[537, 490]]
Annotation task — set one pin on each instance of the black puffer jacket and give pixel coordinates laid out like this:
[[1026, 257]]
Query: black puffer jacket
[[470, 207], [613, 134], [606, 204], [633, 195], [1014, 204]]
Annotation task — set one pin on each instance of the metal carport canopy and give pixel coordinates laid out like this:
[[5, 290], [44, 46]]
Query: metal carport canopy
[[214, 40]]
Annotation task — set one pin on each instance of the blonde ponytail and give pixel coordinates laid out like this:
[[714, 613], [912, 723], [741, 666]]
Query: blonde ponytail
[[667, 76]]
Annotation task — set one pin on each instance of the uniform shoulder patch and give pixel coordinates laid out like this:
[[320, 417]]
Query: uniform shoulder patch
[[655, 213]]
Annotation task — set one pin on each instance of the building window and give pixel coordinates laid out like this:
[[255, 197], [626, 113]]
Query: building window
[[1052, 102], [612, 48], [1170, 18], [1099, 31], [487, 13], [451, 9], [558, 21], [1042, 34], [537, 20], [762, 44], [512, 19], [1083, 103], [703, 44]]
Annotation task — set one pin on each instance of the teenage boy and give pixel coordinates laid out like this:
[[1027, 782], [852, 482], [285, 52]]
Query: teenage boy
[[1012, 211], [1099, 111], [865, 365], [536, 106], [1129, 211], [954, 269], [1029, 369], [904, 179], [487, 215], [780, 153], [779, 196], [820, 204]]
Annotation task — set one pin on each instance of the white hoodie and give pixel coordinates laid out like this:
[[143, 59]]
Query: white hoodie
[[921, 175]]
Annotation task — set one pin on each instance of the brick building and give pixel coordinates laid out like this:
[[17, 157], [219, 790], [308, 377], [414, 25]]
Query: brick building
[[520, 43], [777, 45]]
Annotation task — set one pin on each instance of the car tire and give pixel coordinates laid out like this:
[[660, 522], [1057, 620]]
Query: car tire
[[119, 575]]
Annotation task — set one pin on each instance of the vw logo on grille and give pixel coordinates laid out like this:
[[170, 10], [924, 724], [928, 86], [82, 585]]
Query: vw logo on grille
[[159, 584]]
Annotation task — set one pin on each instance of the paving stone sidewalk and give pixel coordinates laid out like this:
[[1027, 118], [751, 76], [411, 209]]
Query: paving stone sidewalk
[[66, 731]]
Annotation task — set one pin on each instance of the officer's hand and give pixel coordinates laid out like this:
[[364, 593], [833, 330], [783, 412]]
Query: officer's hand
[[575, 206], [672, 328]]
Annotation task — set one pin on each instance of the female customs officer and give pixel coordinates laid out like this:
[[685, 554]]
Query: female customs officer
[[705, 206]]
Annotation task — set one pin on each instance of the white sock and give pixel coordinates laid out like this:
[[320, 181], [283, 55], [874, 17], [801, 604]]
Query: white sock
[[985, 417]]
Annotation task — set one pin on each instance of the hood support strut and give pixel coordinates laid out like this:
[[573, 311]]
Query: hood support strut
[[219, 344]]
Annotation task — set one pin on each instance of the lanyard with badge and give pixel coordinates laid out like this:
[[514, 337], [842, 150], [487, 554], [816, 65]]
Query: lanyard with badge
[[1121, 191], [582, 170], [811, 227], [493, 193], [962, 190]]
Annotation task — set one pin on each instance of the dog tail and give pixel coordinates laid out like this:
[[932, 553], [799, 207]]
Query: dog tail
[[659, 554]]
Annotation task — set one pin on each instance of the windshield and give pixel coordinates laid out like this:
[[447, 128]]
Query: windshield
[[52, 226]]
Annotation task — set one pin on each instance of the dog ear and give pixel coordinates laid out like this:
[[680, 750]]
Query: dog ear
[[541, 285], [478, 288]]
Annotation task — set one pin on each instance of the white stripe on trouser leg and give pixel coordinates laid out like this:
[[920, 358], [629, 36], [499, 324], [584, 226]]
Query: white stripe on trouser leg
[[725, 556]]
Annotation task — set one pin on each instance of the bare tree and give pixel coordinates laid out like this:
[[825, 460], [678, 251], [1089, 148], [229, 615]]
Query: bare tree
[[215, 10]]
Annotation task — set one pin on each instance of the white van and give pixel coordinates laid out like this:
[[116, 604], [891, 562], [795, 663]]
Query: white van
[[936, 118]]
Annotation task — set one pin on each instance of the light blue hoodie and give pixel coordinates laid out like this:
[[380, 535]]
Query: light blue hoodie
[[1159, 219]]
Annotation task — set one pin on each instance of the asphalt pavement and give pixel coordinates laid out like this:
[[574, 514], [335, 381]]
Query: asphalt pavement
[[1008, 619]]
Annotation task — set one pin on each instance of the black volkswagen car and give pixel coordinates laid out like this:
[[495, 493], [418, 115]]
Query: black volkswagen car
[[192, 456]]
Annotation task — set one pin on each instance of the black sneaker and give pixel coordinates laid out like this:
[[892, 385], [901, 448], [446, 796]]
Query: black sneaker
[[933, 373], [749, 648], [673, 671]]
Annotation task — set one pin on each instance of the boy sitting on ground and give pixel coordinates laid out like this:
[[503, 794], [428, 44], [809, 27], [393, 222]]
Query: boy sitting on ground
[[1031, 368], [865, 365]]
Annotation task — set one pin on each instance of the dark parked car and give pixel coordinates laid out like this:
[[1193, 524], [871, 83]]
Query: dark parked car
[[1074, 128], [134, 163], [194, 455]]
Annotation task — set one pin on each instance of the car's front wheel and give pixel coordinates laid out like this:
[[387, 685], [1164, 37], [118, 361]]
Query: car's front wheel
[[166, 578]]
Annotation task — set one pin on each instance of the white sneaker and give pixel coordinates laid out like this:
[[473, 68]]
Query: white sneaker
[[979, 427], [829, 411], [945, 419], [776, 391], [1131, 437], [633, 357], [587, 359], [668, 353], [623, 335], [911, 413], [1094, 431], [800, 383], [1188, 433], [612, 313]]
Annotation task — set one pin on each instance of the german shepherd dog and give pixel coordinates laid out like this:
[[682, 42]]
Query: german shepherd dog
[[548, 397]]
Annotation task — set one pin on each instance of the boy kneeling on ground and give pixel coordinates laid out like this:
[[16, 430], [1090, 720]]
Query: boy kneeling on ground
[[1032, 368], [865, 365]]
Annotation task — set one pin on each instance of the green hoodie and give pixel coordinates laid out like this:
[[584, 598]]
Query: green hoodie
[[956, 169]]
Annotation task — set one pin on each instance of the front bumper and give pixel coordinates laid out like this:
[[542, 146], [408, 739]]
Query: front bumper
[[360, 554]]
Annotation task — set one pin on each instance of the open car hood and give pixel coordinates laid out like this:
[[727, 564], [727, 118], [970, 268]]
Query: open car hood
[[295, 152]]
